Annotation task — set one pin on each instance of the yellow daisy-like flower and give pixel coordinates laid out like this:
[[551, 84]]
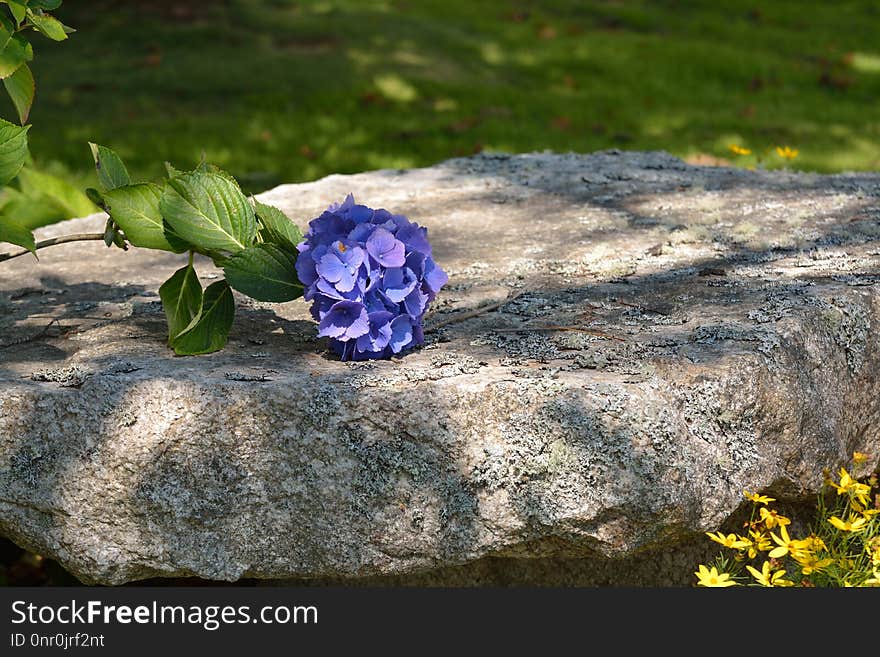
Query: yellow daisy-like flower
[[786, 152], [758, 499], [766, 577], [771, 519], [739, 150], [712, 578], [859, 458], [810, 563], [730, 541], [758, 543], [784, 542], [849, 486], [851, 525]]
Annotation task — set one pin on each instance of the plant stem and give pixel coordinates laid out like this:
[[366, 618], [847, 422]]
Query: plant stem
[[53, 241]]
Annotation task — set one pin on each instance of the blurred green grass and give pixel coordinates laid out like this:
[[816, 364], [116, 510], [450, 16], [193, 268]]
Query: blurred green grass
[[288, 91]]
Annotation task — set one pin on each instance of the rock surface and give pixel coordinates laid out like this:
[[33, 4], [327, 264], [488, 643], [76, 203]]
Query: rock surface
[[666, 336]]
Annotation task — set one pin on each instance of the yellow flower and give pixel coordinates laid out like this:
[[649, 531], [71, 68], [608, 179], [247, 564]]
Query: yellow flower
[[739, 150], [758, 499], [810, 563], [758, 543], [730, 541], [771, 519], [859, 458], [786, 152], [786, 545], [767, 578], [849, 486], [712, 578], [851, 525]]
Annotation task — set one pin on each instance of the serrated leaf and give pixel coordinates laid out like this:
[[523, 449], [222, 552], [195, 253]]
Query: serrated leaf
[[181, 300], [14, 233], [264, 272], [210, 330], [209, 211], [17, 52], [21, 88], [136, 209], [204, 167], [171, 171], [111, 170], [13, 150], [48, 26], [70, 201], [276, 227]]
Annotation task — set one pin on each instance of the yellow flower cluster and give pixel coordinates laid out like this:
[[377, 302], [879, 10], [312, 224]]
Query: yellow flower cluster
[[842, 550]]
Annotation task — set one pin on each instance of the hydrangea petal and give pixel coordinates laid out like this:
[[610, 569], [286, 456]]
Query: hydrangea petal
[[386, 249], [344, 320]]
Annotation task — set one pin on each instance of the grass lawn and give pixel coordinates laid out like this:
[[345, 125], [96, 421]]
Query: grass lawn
[[287, 91]]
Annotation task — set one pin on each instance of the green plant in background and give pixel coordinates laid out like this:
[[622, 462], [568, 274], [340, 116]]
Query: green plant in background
[[37, 199], [841, 548]]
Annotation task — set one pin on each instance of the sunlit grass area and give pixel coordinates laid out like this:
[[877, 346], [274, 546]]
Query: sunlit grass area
[[287, 91]]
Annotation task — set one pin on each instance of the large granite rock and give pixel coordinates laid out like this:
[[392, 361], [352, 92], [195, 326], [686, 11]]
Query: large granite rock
[[674, 335]]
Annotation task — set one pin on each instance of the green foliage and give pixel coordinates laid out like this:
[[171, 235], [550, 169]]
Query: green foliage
[[264, 272], [276, 227], [209, 211], [40, 199], [21, 89], [208, 331], [135, 209], [201, 211], [111, 171], [13, 150], [14, 233]]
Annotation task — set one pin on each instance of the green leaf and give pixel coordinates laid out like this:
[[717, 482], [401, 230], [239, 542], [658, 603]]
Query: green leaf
[[136, 209], [264, 272], [17, 52], [178, 244], [18, 9], [48, 26], [277, 227], [30, 213], [13, 150], [181, 299], [70, 201], [7, 30], [209, 211], [111, 170], [210, 330], [16, 234], [171, 171], [20, 87]]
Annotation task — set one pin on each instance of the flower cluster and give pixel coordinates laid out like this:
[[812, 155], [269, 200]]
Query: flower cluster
[[370, 277], [842, 550]]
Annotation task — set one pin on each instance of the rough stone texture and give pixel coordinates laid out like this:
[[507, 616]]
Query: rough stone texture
[[680, 334]]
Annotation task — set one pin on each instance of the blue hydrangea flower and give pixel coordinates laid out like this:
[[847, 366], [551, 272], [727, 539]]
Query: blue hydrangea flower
[[370, 277]]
